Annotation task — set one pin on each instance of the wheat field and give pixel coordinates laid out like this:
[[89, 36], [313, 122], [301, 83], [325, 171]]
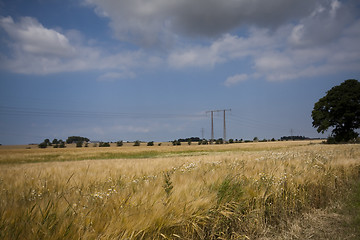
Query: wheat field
[[233, 191]]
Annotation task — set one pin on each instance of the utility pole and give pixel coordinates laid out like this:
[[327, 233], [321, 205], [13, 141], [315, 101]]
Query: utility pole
[[212, 123], [225, 124], [212, 127]]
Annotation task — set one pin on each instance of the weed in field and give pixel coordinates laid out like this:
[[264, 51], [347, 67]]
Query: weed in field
[[168, 186], [229, 190]]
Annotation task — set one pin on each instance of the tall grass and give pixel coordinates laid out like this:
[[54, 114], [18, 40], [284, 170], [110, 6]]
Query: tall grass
[[221, 195]]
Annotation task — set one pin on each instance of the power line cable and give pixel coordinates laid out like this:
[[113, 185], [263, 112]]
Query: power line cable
[[4, 110]]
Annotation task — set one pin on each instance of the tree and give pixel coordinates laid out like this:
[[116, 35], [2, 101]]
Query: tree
[[43, 145], [219, 141], [104, 144], [47, 142], [176, 143], [205, 142], [75, 139], [61, 144], [339, 109]]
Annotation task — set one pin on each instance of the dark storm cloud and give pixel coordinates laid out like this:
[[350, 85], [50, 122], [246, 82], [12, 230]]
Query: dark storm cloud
[[212, 17], [152, 21]]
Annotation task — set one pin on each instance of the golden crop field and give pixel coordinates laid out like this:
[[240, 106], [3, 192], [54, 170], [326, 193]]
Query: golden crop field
[[233, 191]]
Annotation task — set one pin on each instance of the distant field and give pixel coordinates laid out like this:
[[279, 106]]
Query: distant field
[[235, 191], [31, 153]]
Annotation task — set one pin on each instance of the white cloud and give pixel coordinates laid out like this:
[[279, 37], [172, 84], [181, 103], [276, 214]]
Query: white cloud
[[224, 49], [290, 52], [236, 79], [195, 57], [322, 39], [335, 5], [111, 76], [31, 37], [35, 49]]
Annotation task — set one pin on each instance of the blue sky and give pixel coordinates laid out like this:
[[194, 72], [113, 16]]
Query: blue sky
[[149, 70]]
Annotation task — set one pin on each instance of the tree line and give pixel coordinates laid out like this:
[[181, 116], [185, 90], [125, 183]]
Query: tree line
[[84, 142], [287, 138]]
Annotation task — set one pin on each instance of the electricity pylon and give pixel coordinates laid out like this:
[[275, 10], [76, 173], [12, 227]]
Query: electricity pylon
[[212, 123]]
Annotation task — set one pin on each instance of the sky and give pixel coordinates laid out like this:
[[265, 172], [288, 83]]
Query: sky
[[151, 70]]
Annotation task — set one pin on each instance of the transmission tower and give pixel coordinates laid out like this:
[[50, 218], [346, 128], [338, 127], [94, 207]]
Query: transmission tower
[[212, 123]]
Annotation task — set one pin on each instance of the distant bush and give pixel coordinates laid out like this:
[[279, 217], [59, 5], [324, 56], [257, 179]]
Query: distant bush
[[176, 143], [137, 143], [192, 139], [231, 140], [119, 143], [219, 141], [150, 143], [60, 144], [73, 139], [55, 143], [104, 144], [286, 138], [43, 145], [79, 144]]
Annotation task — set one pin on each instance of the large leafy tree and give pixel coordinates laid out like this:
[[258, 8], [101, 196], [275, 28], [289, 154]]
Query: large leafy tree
[[339, 109]]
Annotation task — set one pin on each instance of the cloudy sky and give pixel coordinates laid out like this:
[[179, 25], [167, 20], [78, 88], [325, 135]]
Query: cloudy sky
[[150, 69]]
